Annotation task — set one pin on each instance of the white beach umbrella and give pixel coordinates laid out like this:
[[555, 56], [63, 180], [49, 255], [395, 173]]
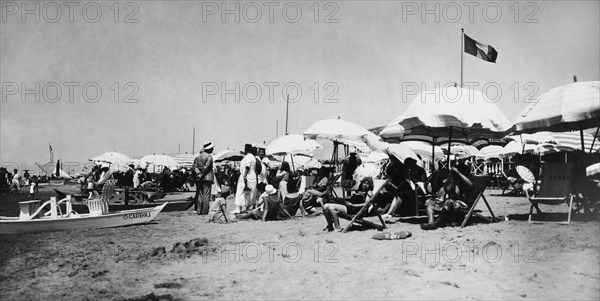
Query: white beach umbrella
[[425, 149], [291, 144], [117, 161], [341, 131], [155, 163], [490, 151]]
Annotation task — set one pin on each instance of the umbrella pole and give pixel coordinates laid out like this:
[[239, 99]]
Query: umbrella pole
[[449, 144], [581, 136], [594, 140], [433, 155]]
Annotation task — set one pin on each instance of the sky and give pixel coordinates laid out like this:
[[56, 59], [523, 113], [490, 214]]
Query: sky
[[166, 67]]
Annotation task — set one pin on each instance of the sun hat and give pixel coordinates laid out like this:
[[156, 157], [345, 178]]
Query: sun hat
[[270, 189], [208, 145]]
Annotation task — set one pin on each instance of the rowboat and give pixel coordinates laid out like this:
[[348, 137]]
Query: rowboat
[[31, 218]]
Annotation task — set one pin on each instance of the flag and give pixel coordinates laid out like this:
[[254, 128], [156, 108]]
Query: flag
[[480, 50]]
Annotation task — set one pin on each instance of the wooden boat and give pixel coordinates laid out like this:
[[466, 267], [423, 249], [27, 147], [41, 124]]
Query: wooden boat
[[176, 201], [31, 218]]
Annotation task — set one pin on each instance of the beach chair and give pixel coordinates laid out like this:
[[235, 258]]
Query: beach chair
[[420, 199], [512, 186], [358, 218], [555, 189], [480, 184], [99, 206]]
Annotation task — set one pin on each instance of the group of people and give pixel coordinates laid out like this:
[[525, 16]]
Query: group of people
[[12, 182], [137, 178]]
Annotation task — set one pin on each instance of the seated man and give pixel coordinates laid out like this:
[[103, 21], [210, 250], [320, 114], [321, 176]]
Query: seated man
[[351, 206], [452, 196]]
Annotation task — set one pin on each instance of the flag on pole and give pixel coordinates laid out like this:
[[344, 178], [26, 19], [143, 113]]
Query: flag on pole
[[480, 50]]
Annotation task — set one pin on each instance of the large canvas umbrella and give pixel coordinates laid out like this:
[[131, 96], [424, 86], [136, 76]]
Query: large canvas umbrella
[[228, 155], [340, 132], [575, 106], [155, 163], [185, 160], [398, 150], [490, 152], [291, 144], [449, 113], [571, 141], [117, 161]]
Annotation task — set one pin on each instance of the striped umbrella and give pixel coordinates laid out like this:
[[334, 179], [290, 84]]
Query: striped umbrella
[[449, 114], [571, 141], [574, 106], [185, 160], [292, 144]]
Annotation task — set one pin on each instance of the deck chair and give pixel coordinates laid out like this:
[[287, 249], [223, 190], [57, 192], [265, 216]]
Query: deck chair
[[480, 183], [358, 218], [420, 198], [512, 186], [554, 189], [329, 194], [99, 206]]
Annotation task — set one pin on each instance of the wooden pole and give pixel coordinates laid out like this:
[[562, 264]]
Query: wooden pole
[[287, 105], [194, 142]]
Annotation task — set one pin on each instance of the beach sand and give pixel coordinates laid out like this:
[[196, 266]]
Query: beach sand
[[295, 259]]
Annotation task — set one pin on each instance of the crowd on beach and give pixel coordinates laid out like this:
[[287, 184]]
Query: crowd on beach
[[261, 192], [265, 194]]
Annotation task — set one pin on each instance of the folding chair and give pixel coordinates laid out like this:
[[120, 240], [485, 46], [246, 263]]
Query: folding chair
[[329, 193], [480, 183], [509, 184], [420, 198], [555, 189], [358, 218]]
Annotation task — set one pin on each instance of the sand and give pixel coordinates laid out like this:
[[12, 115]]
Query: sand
[[182, 257]]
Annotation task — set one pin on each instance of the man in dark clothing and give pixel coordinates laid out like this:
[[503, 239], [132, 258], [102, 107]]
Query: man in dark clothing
[[203, 166]]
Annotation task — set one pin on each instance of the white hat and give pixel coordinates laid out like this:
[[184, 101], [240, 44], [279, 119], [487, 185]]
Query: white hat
[[208, 145], [270, 189]]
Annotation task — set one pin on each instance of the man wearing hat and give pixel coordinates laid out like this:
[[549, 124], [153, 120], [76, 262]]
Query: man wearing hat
[[203, 165]]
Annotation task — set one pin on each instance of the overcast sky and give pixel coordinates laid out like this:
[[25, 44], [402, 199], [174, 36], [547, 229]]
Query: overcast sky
[[176, 56]]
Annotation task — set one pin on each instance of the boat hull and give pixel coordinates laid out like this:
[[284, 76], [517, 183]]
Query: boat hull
[[12, 225], [175, 202]]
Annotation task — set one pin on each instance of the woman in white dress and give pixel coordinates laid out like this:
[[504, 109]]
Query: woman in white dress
[[246, 187]]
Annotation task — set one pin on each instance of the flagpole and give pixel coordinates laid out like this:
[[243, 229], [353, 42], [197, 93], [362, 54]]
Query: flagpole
[[287, 104], [462, 51]]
